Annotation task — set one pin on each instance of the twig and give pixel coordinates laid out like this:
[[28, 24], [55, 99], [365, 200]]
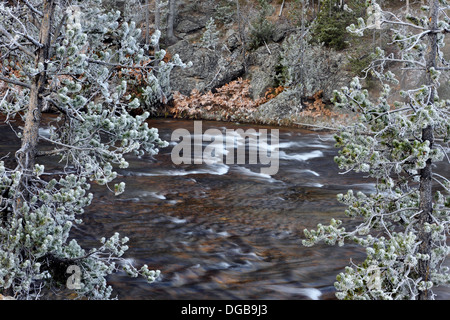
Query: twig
[[30, 6], [117, 65], [267, 47], [220, 69], [281, 9], [50, 152], [4, 97]]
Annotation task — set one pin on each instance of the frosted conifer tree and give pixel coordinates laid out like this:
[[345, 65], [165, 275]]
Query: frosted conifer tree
[[210, 37], [405, 222], [78, 60]]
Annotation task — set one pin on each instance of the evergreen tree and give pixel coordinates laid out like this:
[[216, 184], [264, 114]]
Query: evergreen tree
[[79, 61], [210, 37], [261, 29], [405, 222], [334, 16]]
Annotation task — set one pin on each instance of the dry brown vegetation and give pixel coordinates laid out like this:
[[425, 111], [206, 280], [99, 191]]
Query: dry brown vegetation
[[318, 109], [229, 102]]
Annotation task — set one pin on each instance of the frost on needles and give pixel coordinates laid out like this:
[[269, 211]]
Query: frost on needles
[[403, 224], [79, 61]]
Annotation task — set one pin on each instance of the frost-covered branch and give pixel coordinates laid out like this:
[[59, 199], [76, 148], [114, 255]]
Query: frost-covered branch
[[15, 82], [13, 42], [91, 87], [404, 224]]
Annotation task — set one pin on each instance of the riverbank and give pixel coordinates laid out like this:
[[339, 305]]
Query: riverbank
[[279, 107]]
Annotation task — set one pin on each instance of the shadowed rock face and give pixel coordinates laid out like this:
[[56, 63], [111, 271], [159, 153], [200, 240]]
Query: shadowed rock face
[[212, 69], [324, 69]]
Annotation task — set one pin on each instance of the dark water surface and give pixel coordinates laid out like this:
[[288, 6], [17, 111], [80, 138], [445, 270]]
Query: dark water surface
[[226, 231]]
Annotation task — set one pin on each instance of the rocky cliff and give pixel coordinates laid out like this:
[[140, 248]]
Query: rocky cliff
[[233, 58], [324, 69]]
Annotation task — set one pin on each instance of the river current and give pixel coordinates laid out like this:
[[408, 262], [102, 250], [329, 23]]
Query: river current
[[226, 231]]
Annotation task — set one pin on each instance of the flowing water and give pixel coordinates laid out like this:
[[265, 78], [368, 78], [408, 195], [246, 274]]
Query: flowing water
[[226, 231]]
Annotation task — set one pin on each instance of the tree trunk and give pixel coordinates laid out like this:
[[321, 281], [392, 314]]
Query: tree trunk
[[27, 153], [157, 20], [171, 21], [157, 15], [302, 52], [242, 35], [147, 22], [426, 196]]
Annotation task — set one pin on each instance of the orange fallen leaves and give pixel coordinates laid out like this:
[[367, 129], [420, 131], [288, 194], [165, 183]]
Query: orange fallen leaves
[[229, 101], [317, 108]]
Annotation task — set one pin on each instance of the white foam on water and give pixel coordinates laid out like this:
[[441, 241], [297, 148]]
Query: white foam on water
[[312, 293], [222, 265], [214, 169], [155, 195], [321, 146], [177, 220], [301, 156], [44, 132], [239, 251], [312, 172], [314, 185], [257, 175], [223, 234], [127, 261]]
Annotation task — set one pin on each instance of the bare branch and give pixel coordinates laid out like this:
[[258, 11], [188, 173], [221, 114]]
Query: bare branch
[[34, 41], [42, 153], [58, 28], [65, 111], [66, 145], [13, 41], [33, 9], [117, 65], [401, 60], [406, 24], [15, 82]]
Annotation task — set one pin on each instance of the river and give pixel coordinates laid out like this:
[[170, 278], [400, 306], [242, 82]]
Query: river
[[226, 231]]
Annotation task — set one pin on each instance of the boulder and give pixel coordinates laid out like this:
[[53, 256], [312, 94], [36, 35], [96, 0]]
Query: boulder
[[281, 31], [232, 39], [324, 69], [262, 67], [188, 26], [280, 110], [210, 68]]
